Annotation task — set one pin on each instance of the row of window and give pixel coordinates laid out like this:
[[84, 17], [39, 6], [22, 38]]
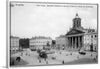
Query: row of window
[[61, 45], [92, 36], [39, 42], [14, 43]]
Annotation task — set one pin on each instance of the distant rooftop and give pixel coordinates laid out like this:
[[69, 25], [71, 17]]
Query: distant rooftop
[[14, 37], [40, 37], [61, 36]]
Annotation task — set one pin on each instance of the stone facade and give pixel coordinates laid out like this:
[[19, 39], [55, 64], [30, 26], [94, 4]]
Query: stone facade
[[39, 42], [90, 39], [14, 43], [61, 42]]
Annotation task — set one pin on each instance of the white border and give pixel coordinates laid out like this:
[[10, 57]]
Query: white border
[[7, 28]]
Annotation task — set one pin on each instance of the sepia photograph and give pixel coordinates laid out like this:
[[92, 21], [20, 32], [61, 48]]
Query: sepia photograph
[[51, 33]]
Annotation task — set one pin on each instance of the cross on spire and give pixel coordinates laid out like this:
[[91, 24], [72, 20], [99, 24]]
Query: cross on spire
[[76, 15]]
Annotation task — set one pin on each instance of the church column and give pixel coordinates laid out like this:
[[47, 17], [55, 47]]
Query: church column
[[75, 42], [69, 42], [72, 42], [78, 42], [81, 41]]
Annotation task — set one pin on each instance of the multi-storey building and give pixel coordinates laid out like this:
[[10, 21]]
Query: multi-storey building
[[40, 42], [61, 42], [90, 41], [14, 43]]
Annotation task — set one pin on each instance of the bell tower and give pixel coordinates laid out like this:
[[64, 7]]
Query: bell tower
[[76, 22]]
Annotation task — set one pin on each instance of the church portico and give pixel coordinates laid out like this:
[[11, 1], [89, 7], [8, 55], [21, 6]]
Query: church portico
[[75, 35], [75, 42]]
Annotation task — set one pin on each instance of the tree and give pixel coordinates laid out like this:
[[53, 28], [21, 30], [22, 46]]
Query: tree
[[24, 43]]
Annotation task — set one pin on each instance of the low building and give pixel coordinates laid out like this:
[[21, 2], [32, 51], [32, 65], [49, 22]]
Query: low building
[[40, 42], [61, 42], [14, 43]]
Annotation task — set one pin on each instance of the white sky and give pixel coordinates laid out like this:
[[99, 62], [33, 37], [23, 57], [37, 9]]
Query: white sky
[[31, 20]]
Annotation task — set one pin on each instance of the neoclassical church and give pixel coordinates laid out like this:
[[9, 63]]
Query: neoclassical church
[[80, 38]]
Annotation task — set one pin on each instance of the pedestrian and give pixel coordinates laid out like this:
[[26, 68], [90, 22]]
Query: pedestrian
[[26, 54], [38, 57], [12, 63], [45, 59], [46, 62], [78, 57], [18, 59], [91, 55], [39, 61], [60, 53], [70, 53], [94, 59], [21, 54], [96, 56], [63, 62]]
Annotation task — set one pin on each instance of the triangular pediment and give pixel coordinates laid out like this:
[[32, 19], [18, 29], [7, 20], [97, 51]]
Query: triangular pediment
[[74, 31]]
